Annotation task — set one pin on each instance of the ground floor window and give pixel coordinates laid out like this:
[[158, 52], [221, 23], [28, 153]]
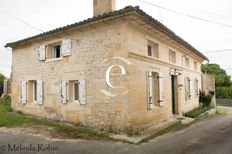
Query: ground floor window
[[73, 91], [32, 91], [155, 89]]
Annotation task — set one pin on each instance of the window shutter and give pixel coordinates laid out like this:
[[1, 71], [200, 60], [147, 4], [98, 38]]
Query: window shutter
[[190, 88], [197, 90], [150, 90], [186, 89], [64, 92], [42, 52], [24, 92], [66, 47], [40, 92], [161, 90], [82, 92]]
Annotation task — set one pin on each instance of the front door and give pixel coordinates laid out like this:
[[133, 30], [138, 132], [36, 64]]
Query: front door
[[174, 94]]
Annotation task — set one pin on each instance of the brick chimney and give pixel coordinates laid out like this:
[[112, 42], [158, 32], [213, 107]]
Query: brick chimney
[[103, 6]]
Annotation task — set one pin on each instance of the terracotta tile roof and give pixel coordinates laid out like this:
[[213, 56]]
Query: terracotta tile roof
[[125, 10]]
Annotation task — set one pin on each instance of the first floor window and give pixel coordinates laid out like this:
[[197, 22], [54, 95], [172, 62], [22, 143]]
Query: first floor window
[[54, 50]]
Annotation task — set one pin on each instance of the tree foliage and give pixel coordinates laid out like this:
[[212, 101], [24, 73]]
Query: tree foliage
[[2, 77], [221, 77]]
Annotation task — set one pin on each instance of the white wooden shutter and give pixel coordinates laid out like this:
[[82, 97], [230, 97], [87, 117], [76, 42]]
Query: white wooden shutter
[[42, 52], [40, 92], [190, 88], [64, 92], [66, 47], [186, 88], [161, 90], [24, 92], [82, 92], [150, 90]]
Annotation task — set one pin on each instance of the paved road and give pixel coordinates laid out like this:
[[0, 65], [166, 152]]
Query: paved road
[[210, 136]]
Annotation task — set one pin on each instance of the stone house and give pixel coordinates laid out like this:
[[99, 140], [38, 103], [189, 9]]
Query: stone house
[[118, 69]]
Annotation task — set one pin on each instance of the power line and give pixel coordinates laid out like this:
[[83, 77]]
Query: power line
[[187, 15], [20, 20], [217, 51]]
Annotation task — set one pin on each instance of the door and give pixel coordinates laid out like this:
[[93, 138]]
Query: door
[[174, 94]]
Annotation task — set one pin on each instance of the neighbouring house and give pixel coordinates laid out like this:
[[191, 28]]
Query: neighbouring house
[[62, 74]]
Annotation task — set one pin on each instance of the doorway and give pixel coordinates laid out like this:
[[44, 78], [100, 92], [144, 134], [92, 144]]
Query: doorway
[[174, 86]]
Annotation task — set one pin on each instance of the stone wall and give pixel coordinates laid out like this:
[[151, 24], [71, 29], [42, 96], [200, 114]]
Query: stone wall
[[208, 85]]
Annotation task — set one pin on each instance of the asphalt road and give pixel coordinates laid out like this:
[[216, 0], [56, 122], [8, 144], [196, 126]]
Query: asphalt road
[[210, 136]]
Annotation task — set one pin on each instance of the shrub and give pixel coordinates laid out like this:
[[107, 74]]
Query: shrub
[[196, 112], [6, 99], [204, 99]]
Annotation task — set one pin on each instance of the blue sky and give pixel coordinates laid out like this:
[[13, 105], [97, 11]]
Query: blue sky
[[50, 14]]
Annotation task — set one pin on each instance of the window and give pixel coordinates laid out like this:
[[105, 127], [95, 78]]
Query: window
[[155, 89], [75, 91], [35, 91], [187, 62], [153, 49], [54, 50], [172, 56], [32, 91], [195, 65]]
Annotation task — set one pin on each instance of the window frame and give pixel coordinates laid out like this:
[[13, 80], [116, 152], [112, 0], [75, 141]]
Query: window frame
[[154, 49], [172, 56], [34, 94], [74, 91], [187, 62], [51, 54]]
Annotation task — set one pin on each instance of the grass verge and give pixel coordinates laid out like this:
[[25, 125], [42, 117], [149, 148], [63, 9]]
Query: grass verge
[[220, 111], [196, 112], [10, 119], [174, 127]]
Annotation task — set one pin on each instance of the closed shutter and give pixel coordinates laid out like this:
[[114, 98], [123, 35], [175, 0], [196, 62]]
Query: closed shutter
[[197, 90], [42, 52], [190, 88], [24, 92], [40, 92], [82, 92], [150, 90], [161, 90], [186, 88], [64, 92], [66, 47]]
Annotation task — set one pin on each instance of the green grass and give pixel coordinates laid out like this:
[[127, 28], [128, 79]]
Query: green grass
[[10, 119], [176, 126], [196, 112], [220, 111]]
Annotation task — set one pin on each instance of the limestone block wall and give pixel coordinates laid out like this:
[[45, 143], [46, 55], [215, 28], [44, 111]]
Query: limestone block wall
[[90, 48]]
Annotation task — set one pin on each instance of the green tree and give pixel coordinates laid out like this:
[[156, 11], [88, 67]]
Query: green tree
[[221, 77], [2, 77]]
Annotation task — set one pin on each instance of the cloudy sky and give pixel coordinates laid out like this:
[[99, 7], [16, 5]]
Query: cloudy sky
[[18, 17]]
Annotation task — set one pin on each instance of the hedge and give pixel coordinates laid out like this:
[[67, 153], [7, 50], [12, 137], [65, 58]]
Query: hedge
[[224, 92]]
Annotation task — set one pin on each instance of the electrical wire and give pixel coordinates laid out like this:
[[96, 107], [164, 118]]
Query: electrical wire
[[187, 15], [217, 51], [20, 20]]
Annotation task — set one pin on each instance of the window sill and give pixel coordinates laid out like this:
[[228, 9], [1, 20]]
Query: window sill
[[54, 60]]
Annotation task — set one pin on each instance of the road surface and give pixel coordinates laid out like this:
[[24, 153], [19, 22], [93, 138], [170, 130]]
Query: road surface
[[209, 136]]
